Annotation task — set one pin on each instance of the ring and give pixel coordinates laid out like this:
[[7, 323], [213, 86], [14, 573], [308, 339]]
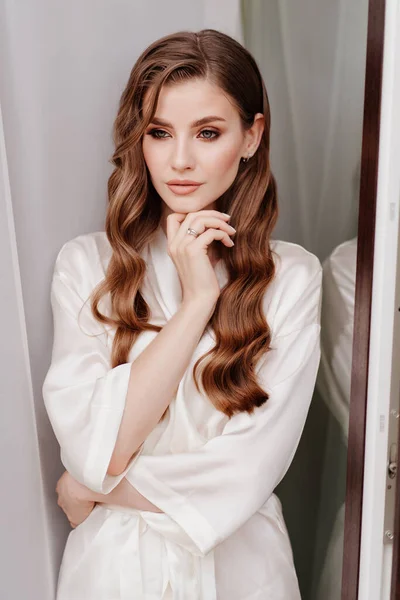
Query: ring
[[193, 232]]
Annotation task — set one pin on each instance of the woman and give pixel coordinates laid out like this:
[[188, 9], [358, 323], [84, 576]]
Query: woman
[[183, 363]]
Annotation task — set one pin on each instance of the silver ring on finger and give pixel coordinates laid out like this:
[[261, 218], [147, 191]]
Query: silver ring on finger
[[191, 231]]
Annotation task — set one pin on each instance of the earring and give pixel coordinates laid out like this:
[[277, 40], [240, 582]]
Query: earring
[[243, 159]]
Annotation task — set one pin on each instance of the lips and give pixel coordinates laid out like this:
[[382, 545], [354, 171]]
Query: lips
[[183, 182], [182, 189]]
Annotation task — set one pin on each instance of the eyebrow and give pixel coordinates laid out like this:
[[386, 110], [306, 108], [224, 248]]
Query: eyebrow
[[202, 121]]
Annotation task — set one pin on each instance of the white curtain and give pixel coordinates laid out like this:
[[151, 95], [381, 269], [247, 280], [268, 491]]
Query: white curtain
[[312, 57]]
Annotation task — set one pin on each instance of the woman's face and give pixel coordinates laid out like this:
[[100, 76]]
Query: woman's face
[[176, 148]]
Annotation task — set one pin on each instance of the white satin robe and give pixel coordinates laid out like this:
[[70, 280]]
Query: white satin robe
[[221, 534]]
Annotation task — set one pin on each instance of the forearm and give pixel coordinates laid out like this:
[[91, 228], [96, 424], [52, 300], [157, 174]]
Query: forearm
[[124, 494], [155, 376]]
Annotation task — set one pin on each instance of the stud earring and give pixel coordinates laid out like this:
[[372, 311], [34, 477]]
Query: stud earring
[[243, 159]]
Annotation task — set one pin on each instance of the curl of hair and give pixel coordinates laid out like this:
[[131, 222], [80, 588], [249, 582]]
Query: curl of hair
[[134, 211]]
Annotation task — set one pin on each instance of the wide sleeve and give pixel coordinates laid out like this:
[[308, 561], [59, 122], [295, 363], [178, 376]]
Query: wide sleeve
[[83, 396], [214, 490]]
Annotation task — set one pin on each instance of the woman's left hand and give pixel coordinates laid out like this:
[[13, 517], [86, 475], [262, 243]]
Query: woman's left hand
[[73, 499]]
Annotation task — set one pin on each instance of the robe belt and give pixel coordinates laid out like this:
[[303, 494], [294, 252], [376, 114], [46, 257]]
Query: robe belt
[[189, 576]]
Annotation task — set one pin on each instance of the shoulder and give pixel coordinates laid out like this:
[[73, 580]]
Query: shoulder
[[293, 262], [340, 275], [83, 260], [93, 245], [342, 260], [293, 298]]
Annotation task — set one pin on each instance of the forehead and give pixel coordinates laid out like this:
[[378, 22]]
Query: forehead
[[185, 101]]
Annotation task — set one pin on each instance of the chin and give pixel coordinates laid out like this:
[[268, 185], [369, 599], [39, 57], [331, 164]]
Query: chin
[[186, 204], [187, 207]]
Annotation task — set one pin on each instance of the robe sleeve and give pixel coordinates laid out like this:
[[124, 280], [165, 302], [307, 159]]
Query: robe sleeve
[[83, 396], [214, 490]]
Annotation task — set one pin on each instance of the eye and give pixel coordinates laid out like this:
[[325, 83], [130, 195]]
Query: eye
[[157, 134], [216, 134], [154, 133]]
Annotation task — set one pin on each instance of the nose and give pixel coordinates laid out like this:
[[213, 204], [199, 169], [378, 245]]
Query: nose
[[182, 156]]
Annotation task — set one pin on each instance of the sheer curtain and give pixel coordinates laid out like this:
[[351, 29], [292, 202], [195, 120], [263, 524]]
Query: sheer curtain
[[312, 57]]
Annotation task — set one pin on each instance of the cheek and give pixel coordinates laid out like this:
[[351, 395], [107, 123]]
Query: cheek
[[153, 157], [223, 162], [148, 158]]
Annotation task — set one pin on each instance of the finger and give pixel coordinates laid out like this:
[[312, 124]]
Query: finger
[[198, 218], [174, 221], [201, 215], [202, 228], [211, 213], [209, 235], [200, 225]]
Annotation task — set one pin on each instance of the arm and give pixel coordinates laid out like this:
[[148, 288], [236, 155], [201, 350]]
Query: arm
[[124, 495], [164, 360], [157, 372], [74, 495]]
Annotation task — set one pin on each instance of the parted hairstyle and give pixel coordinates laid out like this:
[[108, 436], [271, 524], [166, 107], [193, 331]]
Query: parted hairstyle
[[134, 212]]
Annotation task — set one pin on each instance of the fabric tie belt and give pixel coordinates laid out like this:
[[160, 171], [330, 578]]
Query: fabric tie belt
[[188, 575]]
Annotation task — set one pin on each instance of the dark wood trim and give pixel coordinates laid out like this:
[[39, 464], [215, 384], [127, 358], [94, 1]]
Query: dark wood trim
[[363, 299], [395, 583]]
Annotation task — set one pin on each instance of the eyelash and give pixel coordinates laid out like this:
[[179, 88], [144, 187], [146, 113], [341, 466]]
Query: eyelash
[[152, 132]]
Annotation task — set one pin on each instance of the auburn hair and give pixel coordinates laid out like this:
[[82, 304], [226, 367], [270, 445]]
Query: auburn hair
[[134, 213]]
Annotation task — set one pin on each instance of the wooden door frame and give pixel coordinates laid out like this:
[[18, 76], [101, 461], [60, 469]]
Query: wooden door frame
[[363, 299]]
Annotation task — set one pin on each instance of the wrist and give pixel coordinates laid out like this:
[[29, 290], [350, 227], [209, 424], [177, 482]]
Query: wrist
[[83, 493], [199, 307]]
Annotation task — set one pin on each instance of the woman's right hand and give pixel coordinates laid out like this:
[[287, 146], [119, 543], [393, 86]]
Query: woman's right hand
[[74, 499], [190, 254]]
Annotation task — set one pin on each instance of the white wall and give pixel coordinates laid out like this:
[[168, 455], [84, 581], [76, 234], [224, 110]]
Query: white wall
[[24, 543], [63, 66]]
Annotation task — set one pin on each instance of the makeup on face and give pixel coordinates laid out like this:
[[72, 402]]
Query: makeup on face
[[194, 139]]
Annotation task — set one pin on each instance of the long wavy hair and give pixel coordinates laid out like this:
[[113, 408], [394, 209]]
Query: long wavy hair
[[134, 210]]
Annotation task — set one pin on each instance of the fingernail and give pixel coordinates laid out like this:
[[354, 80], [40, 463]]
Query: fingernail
[[226, 215]]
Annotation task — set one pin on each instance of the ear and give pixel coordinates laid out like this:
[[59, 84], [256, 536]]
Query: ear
[[253, 135]]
